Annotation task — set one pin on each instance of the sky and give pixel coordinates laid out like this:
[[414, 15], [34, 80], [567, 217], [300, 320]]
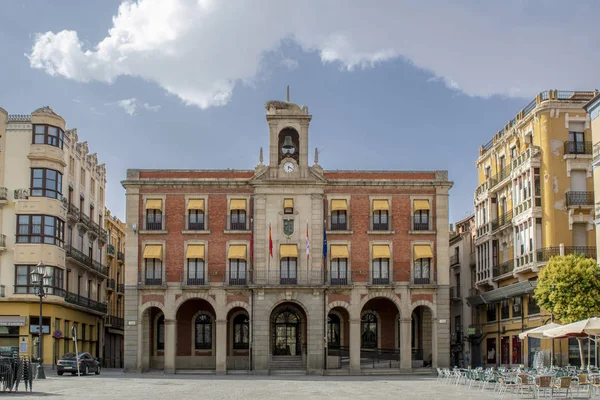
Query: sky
[[398, 85]]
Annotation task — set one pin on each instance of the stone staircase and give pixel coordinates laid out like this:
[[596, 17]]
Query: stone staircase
[[287, 365]]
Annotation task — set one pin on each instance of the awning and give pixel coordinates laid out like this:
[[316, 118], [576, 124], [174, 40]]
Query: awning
[[155, 204], [195, 251], [339, 205], [288, 203], [153, 251], [237, 204], [237, 251], [339, 251], [506, 292], [381, 251], [196, 204], [422, 251], [12, 320], [381, 205], [288, 250], [421, 205]]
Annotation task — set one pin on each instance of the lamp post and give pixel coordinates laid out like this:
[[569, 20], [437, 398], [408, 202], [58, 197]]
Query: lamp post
[[39, 279]]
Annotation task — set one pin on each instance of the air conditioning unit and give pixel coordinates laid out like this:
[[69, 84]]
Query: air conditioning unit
[[21, 194]]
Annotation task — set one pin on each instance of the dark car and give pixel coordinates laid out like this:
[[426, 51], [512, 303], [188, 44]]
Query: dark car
[[68, 363]]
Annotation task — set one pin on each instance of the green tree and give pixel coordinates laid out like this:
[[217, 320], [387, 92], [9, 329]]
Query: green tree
[[569, 288]]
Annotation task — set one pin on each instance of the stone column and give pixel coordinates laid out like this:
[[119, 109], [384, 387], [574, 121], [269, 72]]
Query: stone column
[[170, 345], [434, 343], [221, 347], [355, 346], [406, 347]]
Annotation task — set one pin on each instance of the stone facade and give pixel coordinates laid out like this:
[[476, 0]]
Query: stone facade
[[230, 269]]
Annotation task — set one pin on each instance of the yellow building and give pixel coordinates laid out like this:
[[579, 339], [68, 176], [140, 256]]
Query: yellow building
[[115, 291], [593, 109], [534, 200], [51, 210]]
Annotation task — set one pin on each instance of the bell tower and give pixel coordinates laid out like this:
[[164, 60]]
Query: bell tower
[[288, 138]]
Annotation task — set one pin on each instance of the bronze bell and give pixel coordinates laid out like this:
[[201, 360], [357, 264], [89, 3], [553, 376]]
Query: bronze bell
[[288, 146]]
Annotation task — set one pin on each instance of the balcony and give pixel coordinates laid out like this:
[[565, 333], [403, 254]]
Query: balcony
[[112, 321], [575, 199], [288, 278], [502, 221], [81, 301], [546, 253], [586, 251], [379, 224], [110, 250], [110, 284], [504, 268], [195, 282], [156, 224], [454, 260], [3, 195], [578, 147], [120, 288], [86, 261], [120, 257], [339, 223], [84, 221], [237, 224], [73, 213], [196, 226], [2, 242], [153, 282], [422, 281], [238, 281], [500, 176], [421, 224], [455, 293], [339, 281]]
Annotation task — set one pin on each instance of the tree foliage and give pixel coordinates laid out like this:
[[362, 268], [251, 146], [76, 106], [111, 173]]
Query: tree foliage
[[569, 288]]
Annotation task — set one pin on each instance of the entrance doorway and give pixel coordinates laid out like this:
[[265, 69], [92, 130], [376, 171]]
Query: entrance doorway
[[286, 333]]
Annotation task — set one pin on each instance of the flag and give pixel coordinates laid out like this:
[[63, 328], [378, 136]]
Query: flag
[[252, 241], [324, 241], [270, 242], [73, 333], [307, 242]]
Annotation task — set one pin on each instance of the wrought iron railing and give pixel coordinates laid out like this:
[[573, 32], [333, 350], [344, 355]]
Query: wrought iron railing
[[500, 176], [120, 288], [2, 240], [155, 225], [110, 284], [376, 223], [421, 281], [299, 277], [339, 223], [120, 256], [502, 220], [578, 147], [86, 260], [586, 251], [195, 226], [546, 253], [238, 281], [114, 321], [503, 268], [454, 260], [195, 281], [237, 223], [81, 301], [110, 250], [3, 193], [580, 198], [153, 281], [339, 281]]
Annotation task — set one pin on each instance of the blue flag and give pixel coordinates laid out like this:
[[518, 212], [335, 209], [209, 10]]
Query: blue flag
[[324, 240]]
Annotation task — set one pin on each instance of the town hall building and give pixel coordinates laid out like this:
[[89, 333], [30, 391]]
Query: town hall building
[[287, 266]]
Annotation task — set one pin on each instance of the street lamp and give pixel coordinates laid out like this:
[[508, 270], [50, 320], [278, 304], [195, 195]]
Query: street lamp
[[39, 279]]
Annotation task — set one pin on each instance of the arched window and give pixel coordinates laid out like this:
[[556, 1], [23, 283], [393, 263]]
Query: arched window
[[160, 333], [241, 332], [203, 326], [333, 331], [369, 331]]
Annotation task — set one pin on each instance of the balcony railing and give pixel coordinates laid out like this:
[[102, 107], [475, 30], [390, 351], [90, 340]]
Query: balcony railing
[[110, 284], [338, 223], [237, 224], [504, 268], [586, 251], [110, 250], [114, 321], [73, 212], [578, 147], [339, 281], [502, 220], [195, 226], [238, 281], [380, 224], [85, 219], [297, 278], [153, 282], [580, 198], [421, 281], [195, 282], [454, 260], [500, 176], [86, 260], [156, 225], [81, 301], [455, 293], [121, 288], [2, 241], [544, 254], [3, 194], [120, 256]]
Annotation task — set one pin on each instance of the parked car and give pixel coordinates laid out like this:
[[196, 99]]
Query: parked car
[[68, 363]]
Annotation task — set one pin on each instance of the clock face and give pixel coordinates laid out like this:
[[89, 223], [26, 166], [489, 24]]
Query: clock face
[[288, 167]]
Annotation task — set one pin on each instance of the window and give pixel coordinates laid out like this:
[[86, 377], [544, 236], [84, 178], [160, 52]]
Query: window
[[92, 186], [288, 206], [237, 271], [241, 332], [23, 280], [83, 329], [576, 143], [381, 271], [491, 312], [160, 333], [380, 220], [153, 271], [196, 220], [101, 195], [532, 307], [422, 271], [48, 134], [203, 326], [40, 229], [46, 183], [369, 331], [98, 290], [421, 220], [81, 241], [195, 271], [71, 166], [339, 271], [339, 221], [516, 307], [238, 220], [154, 220], [513, 153], [333, 331], [288, 271], [82, 178], [504, 309]]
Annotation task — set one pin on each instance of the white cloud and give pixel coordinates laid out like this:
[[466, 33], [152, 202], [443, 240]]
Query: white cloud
[[128, 105], [200, 50], [289, 63], [151, 107]]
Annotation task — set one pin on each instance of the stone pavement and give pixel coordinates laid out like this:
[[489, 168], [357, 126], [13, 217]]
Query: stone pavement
[[115, 385]]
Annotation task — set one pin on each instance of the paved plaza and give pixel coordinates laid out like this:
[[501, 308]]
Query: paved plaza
[[115, 385]]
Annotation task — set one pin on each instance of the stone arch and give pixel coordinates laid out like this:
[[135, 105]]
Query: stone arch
[[146, 306], [424, 303], [385, 295], [294, 301], [236, 304], [340, 304], [191, 296]]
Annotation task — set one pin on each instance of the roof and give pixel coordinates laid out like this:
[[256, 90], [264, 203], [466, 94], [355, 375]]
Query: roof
[[593, 103]]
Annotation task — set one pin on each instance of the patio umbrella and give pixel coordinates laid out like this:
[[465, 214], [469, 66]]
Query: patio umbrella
[[580, 329], [538, 333]]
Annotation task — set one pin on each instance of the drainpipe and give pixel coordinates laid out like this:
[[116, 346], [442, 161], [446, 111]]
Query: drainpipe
[[325, 344], [251, 321]]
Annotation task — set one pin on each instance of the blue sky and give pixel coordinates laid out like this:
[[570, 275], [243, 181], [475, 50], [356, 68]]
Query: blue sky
[[182, 83]]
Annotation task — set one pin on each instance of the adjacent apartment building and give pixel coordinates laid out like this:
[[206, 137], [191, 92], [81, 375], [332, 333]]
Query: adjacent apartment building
[[287, 266], [51, 210], [462, 281], [593, 109], [115, 292], [535, 199]]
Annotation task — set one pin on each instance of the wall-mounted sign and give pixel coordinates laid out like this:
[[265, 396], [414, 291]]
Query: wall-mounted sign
[[58, 334], [36, 329], [131, 323], [10, 320]]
